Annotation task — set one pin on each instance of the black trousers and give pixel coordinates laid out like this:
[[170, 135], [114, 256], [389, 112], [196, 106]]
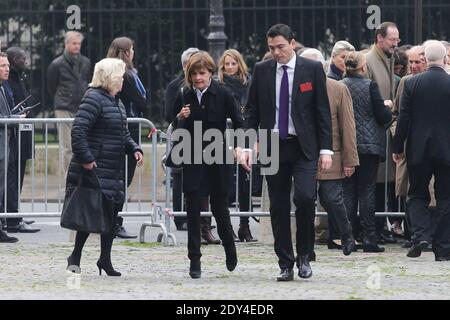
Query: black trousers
[[244, 193], [360, 190], [331, 194], [219, 208], [293, 166], [419, 200], [15, 182], [177, 190]]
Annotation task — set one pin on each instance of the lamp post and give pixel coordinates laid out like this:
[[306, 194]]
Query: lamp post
[[216, 38]]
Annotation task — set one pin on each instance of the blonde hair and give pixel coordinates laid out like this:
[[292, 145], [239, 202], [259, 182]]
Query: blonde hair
[[108, 74], [197, 61], [354, 62], [342, 46], [242, 73]]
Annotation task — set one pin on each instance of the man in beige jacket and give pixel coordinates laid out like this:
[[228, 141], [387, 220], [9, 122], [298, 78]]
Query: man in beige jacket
[[345, 157], [380, 68]]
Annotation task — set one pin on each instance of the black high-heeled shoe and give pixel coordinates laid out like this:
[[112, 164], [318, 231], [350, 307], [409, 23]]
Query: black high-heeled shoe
[[333, 245], [71, 267], [108, 269]]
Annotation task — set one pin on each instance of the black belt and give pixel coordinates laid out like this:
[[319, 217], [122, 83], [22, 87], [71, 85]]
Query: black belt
[[291, 137]]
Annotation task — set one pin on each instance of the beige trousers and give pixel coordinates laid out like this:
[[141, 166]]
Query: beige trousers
[[65, 141]]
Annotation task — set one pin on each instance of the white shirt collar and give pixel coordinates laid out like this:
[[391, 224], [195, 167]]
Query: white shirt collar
[[291, 64]]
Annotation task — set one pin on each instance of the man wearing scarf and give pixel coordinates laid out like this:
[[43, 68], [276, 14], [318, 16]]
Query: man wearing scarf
[[67, 80]]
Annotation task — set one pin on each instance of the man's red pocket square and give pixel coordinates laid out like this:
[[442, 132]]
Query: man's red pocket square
[[305, 87]]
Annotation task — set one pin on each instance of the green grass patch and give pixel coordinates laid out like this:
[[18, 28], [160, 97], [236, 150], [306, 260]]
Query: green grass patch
[[140, 245]]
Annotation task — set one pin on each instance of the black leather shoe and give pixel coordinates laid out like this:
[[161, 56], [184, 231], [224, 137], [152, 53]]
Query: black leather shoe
[[371, 247], [407, 245], [123, 234], [195, 270], [304, 269], [107, 266], [29, 222], [416, 249], [231, 257], [4, 238], [312, 256], [388, 237], [348, 246], [444, 258], [428, 248], [22, 228], [286, 275]]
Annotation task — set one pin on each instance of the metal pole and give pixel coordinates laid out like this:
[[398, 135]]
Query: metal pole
[[418, 25], [217, 38]]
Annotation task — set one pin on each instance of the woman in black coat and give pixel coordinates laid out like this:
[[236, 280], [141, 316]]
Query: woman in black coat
[[207, 104], [134, 97], [100, 140], [233, 74]]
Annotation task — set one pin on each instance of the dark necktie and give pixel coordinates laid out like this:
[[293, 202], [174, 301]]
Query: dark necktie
[[283, 112]]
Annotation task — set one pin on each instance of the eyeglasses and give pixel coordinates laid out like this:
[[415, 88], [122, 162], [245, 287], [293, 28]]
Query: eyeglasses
[[394, 40]]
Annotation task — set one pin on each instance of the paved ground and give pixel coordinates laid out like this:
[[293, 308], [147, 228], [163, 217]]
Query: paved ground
[[34, 268]]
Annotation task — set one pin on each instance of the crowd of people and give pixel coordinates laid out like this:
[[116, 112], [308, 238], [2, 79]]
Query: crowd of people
[[353, 129]]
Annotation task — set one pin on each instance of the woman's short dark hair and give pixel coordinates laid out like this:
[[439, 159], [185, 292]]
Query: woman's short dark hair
[[281, 30]]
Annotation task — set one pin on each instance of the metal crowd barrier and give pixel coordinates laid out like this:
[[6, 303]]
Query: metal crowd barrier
[[172, 214], [157, 219]]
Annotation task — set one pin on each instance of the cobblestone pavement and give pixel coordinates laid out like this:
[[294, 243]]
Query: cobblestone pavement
[[32, 270]]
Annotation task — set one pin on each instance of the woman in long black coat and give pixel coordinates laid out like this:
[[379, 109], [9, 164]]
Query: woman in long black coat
[[100, 140], [207, 103]]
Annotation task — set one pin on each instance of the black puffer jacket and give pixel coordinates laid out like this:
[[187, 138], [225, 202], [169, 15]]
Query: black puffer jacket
[[100, 134], [371, 116]]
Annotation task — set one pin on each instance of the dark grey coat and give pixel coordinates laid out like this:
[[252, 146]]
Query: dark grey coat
[[65, 85]]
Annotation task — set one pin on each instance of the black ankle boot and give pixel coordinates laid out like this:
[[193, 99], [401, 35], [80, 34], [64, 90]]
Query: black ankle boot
[[244, 233], [195, 270], [109, 269], [231, 257]]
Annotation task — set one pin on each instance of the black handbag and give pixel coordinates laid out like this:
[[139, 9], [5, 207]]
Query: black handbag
[[169, 162], [86, 208]]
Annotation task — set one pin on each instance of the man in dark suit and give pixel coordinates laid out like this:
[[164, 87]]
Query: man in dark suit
[[5, 112], [424, 125], [288, 95], [18, 61]]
